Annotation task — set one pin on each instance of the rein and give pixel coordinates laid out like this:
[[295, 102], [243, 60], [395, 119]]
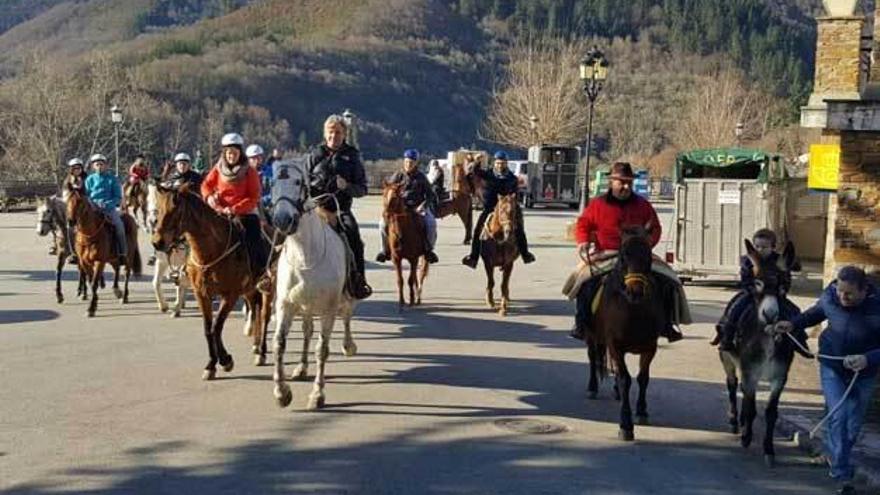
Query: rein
[[98, 229], [230, 247]]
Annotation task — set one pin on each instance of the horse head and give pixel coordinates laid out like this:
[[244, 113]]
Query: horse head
[[772, 280], [505, 216], [170, 215], [77, 204], [635, 261], [290, 191], [45, 217], [392, 199]]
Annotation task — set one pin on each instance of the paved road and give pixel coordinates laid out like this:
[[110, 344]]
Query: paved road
[[115, 404]]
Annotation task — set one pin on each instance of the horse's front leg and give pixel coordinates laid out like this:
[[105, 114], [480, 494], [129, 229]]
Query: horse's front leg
[[97, 274], [227, 303], [593, 356], [468, 219], [322, 351], [265, 316], [255, 303], [301, 372], [59, 268], [283, 318], [159, 271], [412, 280], [624, 383], [643, 378], [349, 348], [206, 306], [490, 284], [125, 285], [749, 406], [398, 270], [506, 271], [732, 384], [424, 267], [117, 269], [778, 376]]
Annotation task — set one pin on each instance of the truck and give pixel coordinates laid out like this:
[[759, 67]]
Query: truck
[[554, 175]]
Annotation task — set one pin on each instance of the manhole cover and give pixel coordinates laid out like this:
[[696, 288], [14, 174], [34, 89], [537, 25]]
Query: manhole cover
[[530, 426]]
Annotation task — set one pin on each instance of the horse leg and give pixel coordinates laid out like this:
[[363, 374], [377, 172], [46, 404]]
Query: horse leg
[[593, 357], [468, 220], [624, 382], [348, 345], [248, 313], [265, 315], [207, 308], [257, 316], [412, 280], [423, 274], [97, 274], [732, 384], [749, 405], [116, 272], [125, 286], [643, 378], [301, 372], [283, 318], [62, 254], [227, 303], [398, 269], [83, 289], [778, 377], [322, 351], [505, 287], [490, 284], [159, 272]]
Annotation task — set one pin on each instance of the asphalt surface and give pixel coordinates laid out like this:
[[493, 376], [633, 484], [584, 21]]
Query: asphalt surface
[[115, 404]]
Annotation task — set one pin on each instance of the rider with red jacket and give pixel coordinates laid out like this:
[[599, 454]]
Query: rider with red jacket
[[138, 172]]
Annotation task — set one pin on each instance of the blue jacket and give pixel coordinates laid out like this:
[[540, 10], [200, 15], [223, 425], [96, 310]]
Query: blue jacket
[[850, 330], [266, 174], [104, 190]]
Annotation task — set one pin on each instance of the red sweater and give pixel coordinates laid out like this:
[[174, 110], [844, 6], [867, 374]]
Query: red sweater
[[241, 196], [603, 218]]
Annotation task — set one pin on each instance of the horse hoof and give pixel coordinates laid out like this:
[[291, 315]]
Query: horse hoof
[[163, 310], [315, 403], [90, 313], [228, 366], [502, 312], [117, 293], [299, 374], [83, 297], [626, 435], [60, 299], [734, 429], [283, 396], [350, 349], [175, 314], [643, 420], [592, 395], [209, 375], [259, 360], [770, 460], [746, 442]]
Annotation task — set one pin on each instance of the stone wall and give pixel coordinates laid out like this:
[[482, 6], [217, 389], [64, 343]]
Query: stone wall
[[837, 58]]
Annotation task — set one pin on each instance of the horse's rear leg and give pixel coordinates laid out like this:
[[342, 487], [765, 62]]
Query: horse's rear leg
[[412, 281], [117, 270], [749, 406], [283, 318], [265, 316], [778, 376], [398, 269], [490, 284], [593, 357], [227, 303], [207, 308], [732, 384], [159, 272], [506, 271], [349, 348], [301, 372], [62, 255], [322, 352], [423, 274], [468, 220], [643, 378], [624, 383]]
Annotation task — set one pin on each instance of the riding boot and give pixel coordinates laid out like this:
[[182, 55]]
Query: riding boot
[[474, 256], [583, 312]]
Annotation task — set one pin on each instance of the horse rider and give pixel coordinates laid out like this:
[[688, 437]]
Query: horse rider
[[75, 180], [498, 182], [138, 172], [437, 178], [232, 188], [600, 225], [419, 199], [103, 189], [336, 170], [183, 173], [256, 156]]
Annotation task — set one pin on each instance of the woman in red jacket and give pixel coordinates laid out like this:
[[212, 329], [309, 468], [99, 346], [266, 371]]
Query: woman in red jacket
[[232, 188], [600, 225]]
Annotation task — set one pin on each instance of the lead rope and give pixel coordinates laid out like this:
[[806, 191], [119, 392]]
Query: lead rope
[[849, 388]]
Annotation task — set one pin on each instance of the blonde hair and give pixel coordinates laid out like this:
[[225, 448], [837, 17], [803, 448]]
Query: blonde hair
[[335, 120]]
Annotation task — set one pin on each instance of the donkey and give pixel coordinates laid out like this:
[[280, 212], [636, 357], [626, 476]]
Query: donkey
[[498, 249], [629, 320], [170, 262], [52, 218], [312, 273], [406, 234], [462, 201], [759, 354], [135, 198]]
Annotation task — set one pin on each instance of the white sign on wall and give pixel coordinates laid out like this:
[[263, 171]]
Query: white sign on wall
[[730, 197]]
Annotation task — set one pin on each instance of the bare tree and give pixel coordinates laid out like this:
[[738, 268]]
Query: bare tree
[[541, 81]]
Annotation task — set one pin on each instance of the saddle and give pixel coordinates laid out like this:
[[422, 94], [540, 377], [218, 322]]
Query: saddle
[[354, 286]]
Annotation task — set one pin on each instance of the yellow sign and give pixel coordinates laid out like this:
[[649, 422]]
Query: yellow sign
[[824, 166]]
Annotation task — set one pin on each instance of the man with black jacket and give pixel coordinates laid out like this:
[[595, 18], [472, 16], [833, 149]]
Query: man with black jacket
[[337, 171]]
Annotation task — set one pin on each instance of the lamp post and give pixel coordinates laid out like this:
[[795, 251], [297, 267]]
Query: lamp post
[[594, 70], [351, 122], [116, 118], [738, 132]]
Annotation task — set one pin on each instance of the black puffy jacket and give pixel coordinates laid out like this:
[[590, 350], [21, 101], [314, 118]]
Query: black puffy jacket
[[326, 165]]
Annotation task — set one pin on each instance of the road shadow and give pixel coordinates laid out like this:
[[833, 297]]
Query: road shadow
[[70, 274], [8, 317]]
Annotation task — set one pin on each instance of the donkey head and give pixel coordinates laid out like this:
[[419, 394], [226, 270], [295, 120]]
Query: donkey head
[[772, 280]]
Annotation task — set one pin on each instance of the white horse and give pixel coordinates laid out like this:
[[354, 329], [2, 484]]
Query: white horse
[[166, 263], [312, 272]]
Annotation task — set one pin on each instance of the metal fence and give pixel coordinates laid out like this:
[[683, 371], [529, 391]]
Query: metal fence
[[22, 193]]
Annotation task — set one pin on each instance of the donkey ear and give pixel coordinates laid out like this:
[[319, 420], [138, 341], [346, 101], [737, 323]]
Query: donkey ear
[[750, 249]]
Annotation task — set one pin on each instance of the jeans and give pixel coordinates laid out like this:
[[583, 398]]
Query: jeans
[[119, 229], [257, 247], [843, 427], [522, 243], [430, 228]]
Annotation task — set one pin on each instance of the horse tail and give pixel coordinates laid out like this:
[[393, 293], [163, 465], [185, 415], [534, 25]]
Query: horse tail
[[600, 354]]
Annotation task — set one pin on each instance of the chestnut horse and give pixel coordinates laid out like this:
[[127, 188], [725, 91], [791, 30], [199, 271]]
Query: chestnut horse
[[462, 201], [498, 248], [134, 196], [406, 241], [94, 246], [629, 319], [217, 266]]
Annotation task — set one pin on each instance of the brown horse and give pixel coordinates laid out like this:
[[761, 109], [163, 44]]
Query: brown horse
[[406, 234], [94, 246], [217, 266], [629, 319], [498, 248], [134, 197], [462, 200]]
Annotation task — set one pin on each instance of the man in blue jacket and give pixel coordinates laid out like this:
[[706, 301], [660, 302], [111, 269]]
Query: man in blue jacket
[[103, 189], [851, 305]]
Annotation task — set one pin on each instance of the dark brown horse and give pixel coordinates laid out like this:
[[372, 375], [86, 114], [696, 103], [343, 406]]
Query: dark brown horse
[[217, 266], [94, 246], [134, 198], [52, 218], [498, 249], [406, 241], [462, 201], [629, 319]]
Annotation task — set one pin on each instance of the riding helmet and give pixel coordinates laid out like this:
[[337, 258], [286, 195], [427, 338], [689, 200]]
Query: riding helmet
[[232, 139], [97, 157], [182, 157], [75, 162], [254, 150]]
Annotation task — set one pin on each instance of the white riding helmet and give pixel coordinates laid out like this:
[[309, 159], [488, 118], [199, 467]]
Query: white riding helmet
[[253, 150], [74, 162], [97, 157], [232, 139], [182, 157]]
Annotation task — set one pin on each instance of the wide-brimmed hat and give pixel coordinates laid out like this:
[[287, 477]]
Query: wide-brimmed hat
[[622, 171]]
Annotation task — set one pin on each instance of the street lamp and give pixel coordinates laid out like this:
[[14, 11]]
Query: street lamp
[[351, 123], [739, 132], [594, 70], [116, 118]]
